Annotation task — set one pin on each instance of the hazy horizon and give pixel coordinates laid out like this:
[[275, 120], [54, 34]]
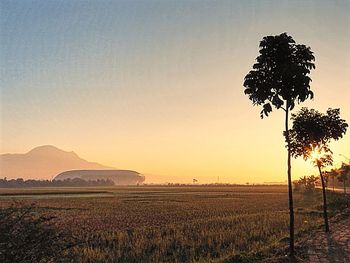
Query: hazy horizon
[[45, 162], [157, 86]]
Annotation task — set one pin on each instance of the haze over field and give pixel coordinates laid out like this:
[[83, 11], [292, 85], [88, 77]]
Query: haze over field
[[156, 86], [43, 162]]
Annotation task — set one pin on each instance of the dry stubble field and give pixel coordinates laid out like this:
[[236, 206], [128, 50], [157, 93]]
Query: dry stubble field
[[171, 224]]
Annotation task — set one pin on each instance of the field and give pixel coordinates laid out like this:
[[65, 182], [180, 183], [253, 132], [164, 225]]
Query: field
[[171, 224]]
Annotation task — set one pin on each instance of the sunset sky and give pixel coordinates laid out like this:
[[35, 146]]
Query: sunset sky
[[156, 86]]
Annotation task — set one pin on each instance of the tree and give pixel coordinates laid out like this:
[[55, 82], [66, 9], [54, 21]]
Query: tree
[[344, 172], [301, 184], [310, 136], [333, 173], [326, 178], [280, 78], [306, 183], [311, 183]]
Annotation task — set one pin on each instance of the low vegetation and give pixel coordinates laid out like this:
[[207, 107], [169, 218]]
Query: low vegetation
[[176, 224], [76, 182], [30, 236]]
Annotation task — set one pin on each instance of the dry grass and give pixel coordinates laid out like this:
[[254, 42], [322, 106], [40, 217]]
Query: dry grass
[[177, 224]]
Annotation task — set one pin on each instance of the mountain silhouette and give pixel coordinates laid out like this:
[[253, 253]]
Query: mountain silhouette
[[43, 162]]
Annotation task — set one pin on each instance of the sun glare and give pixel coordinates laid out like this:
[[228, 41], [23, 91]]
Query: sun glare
[[316, 154]]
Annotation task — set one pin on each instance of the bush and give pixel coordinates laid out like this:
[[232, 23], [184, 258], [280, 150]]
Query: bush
[[27, 236], [338, 202]]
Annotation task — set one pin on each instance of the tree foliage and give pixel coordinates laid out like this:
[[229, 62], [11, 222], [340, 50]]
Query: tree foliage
[[75, 182], [344, 175], [344, 170], [312, 132], [280, 74], [333, 173], [306, 184]]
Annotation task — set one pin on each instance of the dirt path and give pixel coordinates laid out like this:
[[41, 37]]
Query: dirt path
[[332, 247]]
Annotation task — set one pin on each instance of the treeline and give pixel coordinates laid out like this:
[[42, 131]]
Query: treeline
[[76, 182], [333, 178], [306, 183]]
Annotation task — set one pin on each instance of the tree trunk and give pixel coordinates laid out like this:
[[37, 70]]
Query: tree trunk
[[325, 215], [290, 190]]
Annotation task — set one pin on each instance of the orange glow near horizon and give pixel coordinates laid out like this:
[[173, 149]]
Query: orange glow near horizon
[[158, 88]]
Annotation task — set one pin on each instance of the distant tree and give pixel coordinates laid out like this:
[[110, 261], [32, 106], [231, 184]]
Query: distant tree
[[310, 136], [326, 178], [280, 78], [76, 182], [306, 184], [311, 182], [332, 174], [344, 173], [300, 185]]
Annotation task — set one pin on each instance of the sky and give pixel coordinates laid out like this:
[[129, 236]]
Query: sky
[[157, 86]]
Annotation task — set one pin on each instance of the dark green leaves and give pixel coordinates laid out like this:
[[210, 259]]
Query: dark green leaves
[[280, 74]]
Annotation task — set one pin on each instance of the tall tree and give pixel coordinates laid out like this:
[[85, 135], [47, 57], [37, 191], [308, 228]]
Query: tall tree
[[310, 136], [279, 78]]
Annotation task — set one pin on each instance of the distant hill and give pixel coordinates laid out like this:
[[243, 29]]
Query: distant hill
[[119, 177], [43, 162]]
